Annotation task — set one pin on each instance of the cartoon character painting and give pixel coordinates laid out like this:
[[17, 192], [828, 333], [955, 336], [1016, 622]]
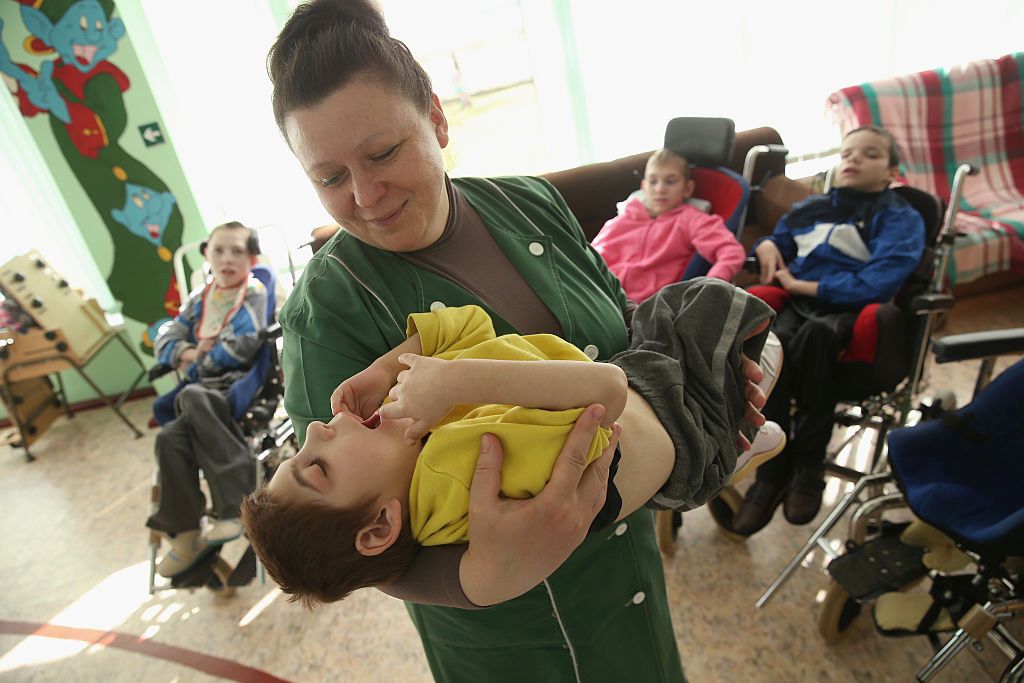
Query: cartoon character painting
[[145, 213], [82, 93]]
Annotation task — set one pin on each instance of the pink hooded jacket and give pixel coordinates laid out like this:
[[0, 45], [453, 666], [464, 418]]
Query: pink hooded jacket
[[648, 253]]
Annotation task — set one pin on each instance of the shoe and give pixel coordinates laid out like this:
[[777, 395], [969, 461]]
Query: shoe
[[768, 442], [187, 548], [771, 363], [758, 507], [803, 500], [223, 530]]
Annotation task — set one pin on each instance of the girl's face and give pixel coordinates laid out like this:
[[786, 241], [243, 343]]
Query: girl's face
[[864, 162], [375, 160], [665, 187], [344, 462]]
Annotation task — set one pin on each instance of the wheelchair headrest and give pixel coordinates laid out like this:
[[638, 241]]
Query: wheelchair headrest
[[265, 274], [926, 204], [703, 141]]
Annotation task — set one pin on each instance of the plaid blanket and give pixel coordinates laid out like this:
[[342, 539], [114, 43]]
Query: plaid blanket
[[942, 118]]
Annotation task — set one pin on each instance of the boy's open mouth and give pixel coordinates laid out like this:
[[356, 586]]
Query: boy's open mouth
[[372, 422]]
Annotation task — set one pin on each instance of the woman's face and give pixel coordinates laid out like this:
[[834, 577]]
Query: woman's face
[[375, 160]]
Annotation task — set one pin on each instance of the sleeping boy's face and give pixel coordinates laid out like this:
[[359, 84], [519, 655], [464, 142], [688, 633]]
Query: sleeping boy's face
[[666, 186], [864, 162], [347, 461]]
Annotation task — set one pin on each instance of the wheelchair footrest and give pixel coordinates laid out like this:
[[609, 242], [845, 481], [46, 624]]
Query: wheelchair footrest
[[878, 566], [245, 570], [200, 574]]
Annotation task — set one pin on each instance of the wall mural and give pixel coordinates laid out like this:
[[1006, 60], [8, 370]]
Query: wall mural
[[66, 71]]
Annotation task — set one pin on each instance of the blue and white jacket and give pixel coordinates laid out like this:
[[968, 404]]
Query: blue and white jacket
[[237, 343], [858, 246]]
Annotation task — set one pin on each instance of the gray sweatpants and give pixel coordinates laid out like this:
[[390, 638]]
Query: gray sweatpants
[[202, 436], [684, 359]]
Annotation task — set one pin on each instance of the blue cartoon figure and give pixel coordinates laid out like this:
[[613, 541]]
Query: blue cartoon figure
[[145, 213]]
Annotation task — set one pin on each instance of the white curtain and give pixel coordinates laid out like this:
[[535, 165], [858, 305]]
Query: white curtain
[[764, 63]]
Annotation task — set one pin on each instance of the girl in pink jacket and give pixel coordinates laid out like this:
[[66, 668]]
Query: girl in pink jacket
[[649, 244]]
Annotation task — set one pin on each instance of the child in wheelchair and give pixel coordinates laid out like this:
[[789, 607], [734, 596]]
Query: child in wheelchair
[[212, 342], [831, 255], [649, 244], [352, 507]]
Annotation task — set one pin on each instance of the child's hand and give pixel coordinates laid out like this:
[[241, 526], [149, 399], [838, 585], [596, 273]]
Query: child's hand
[[362, 393], [419, 395], [187, 357], [770, 260]]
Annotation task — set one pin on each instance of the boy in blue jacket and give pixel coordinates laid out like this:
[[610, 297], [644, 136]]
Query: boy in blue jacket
[[833, 254], [212, 342]]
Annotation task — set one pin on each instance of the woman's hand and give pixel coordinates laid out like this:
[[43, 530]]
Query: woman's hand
[[516, 544], [752, 376], [363, 392], [769, 260], [419, 395]]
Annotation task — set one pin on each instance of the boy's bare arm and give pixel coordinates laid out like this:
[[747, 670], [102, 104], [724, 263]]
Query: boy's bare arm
[[430, 387], [550, 384]]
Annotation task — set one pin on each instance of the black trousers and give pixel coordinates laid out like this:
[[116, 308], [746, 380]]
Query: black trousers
[[812, 337], [202, 436]]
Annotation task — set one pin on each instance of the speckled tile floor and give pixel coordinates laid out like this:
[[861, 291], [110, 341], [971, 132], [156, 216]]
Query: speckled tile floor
[[74, 604]]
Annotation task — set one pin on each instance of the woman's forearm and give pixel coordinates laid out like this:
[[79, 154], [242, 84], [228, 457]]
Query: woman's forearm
[[548, 384]]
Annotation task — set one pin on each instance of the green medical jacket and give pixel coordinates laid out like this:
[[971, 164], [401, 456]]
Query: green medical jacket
[[603, 615]]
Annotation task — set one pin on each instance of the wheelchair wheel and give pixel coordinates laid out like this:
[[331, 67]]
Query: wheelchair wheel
[[723, 508], [665, 529], [838, 611]]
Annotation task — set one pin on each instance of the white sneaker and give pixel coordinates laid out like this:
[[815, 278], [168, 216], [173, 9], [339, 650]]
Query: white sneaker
[[771, 363], [769, 442], [187, 548], [223, 530]]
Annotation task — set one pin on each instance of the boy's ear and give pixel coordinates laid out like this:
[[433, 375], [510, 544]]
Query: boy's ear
[[382, 532], [690, 187]]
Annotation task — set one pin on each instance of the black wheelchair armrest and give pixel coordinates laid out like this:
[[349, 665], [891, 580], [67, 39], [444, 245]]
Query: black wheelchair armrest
[[957, 347], [931, 301], [750, 265], [270, 332], [158, 371]]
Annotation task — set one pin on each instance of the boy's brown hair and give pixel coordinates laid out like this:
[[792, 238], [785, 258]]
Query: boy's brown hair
[[894, 149], [667, 156], [309, 549], [252, 240]]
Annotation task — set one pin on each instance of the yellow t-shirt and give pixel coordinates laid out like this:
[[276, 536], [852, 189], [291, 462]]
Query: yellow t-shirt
[[530, 437]]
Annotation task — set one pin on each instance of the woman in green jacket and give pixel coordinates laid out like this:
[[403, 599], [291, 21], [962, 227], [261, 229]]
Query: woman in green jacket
[[360, 115]]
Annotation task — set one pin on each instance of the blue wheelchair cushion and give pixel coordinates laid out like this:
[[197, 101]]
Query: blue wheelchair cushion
[[964, 475]]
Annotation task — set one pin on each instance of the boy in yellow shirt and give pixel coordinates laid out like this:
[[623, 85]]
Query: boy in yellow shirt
[[383, 489]]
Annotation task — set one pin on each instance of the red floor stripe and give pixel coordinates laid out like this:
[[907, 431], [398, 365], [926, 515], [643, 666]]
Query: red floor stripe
[[215, 666]]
